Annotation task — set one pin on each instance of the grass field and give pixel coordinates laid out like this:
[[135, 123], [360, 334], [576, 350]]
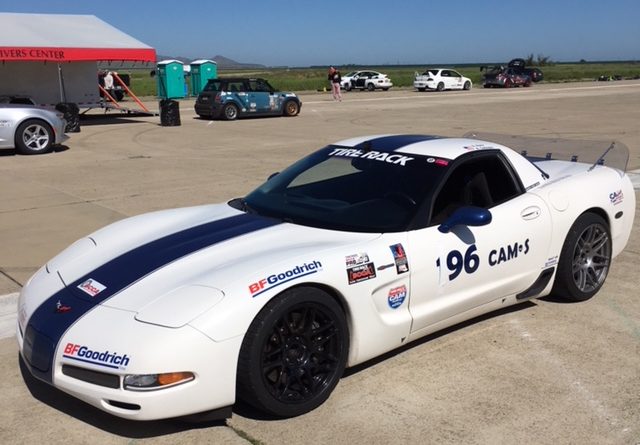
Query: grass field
[[312, 79]]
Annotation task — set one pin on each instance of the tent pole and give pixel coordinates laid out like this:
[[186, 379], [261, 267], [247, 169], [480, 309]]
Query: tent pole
[[63, 94]]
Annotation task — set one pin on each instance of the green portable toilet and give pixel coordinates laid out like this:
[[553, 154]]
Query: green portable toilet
[[201, 71], [170, 74]]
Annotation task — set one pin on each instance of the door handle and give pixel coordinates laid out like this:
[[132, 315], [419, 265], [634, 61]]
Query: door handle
[[531, 212]]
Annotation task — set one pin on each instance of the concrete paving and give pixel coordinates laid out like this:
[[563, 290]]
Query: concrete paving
[[542, 372]]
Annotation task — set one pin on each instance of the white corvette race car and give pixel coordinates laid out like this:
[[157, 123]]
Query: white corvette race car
[[357, 249]]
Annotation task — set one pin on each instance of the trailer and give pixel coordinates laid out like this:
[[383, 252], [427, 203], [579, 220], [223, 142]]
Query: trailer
[[48, 84]]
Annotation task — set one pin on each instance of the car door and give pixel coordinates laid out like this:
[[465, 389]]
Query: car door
[[362, 79], [470, 266], [236, 91], [455, 80], [259, 95]]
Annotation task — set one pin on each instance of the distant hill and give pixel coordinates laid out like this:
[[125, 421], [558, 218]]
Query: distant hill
[[224, 63]]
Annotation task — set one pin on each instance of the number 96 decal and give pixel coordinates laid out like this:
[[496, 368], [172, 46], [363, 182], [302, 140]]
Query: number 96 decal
[[469, 261]]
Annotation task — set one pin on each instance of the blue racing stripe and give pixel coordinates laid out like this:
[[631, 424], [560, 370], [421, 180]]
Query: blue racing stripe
[[392, 143], [47, 325]]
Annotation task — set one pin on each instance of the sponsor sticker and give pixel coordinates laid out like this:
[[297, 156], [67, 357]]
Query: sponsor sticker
[[361, 273], [277, 279], [92, 287], [474, 147], [397, 296], [391, 158], [107, 359], [551, 261], [356, 259], [400, 257], [616, 197]]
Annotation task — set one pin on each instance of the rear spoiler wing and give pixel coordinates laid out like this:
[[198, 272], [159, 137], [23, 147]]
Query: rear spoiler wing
[[611, 154]]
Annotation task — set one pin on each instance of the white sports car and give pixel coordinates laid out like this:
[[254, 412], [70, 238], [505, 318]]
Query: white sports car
[[357, 249], [366, 80], [440, 79]]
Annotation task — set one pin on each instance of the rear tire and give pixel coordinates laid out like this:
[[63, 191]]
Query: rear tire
[[294, 353], [371, 87], [230, 112], [33, 137], [440, 86], [584, 260]]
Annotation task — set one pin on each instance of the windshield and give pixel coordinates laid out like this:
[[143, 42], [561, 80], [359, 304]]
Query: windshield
[[346, 188]]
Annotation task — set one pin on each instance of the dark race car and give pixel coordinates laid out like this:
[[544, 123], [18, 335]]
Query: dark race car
[[500, 76], [519, 66]]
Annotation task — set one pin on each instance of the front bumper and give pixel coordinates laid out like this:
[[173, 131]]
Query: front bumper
[[149, 349]]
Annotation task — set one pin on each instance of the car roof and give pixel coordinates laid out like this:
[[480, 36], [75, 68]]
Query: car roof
[[443, 147]]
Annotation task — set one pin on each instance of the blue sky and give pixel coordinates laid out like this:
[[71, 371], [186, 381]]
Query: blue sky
[[368, 32]]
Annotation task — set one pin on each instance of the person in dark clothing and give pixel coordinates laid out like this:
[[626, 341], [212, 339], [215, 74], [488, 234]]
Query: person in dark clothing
[[335, 79]]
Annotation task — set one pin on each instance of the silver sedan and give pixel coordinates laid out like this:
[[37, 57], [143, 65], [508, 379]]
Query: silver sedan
[[29, 129]]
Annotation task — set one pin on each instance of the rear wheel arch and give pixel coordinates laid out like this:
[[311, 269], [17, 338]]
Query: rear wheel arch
[[585, 257]]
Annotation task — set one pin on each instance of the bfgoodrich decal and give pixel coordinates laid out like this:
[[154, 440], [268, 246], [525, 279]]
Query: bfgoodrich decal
[[279, 278]]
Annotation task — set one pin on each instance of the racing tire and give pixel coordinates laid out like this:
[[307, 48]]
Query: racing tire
[[371, 87], [293, 353], [230, 112], [348, 87], [440, 87], [584, 260], [466, 86], [33, 137], [291, 108], [508, 83]]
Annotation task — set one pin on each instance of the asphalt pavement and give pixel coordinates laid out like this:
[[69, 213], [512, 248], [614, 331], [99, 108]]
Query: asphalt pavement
[[543, 372]]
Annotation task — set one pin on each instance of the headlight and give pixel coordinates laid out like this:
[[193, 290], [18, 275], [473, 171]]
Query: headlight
[[150, 382]]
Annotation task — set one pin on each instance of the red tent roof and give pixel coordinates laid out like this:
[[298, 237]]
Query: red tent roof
[[67, 38]]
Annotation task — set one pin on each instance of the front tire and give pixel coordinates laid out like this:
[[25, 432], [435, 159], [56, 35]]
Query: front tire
[[467, 85], [33, 137], [584, 260], [294, 353], [440, 86], [371, 87], [291, 108]]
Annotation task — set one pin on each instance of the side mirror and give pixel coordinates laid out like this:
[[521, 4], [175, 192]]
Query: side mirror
[[467, 216]]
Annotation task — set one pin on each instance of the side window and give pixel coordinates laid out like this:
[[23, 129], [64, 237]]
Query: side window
[[483, 181], [236, 86], [261, 86]]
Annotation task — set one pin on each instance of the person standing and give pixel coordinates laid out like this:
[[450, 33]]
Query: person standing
[[335, 78]]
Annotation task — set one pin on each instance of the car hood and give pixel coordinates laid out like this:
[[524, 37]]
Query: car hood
[[187, 258]]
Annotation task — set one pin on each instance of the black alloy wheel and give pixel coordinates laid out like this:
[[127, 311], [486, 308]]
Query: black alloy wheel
[[294, 353]]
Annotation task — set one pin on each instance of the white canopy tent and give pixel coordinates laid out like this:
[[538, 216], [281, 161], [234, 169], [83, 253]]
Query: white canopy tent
[[53, 58]]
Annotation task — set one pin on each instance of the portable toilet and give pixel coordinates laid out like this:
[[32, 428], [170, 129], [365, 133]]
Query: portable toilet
[[201, 71], [170, 74]]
